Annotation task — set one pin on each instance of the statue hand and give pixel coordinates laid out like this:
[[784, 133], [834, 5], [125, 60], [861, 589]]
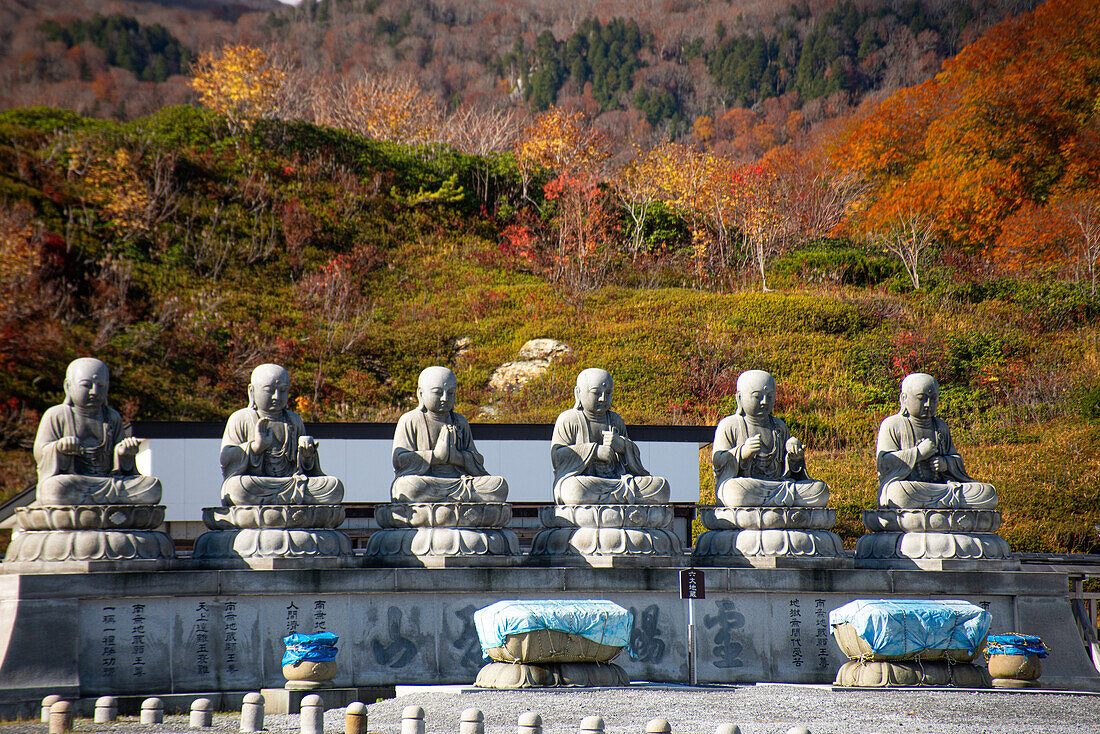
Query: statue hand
[[68, 445], [751, 447], [441, 452], [307, 447], [605, 453], [939, 464], [128, 446], [261, 437], [616, 442], [795, 449], [925, 448]]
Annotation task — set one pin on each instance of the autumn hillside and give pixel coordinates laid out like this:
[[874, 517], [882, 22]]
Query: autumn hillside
[[186, 245]]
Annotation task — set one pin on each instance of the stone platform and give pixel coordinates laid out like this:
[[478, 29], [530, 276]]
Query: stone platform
[[183, 632]]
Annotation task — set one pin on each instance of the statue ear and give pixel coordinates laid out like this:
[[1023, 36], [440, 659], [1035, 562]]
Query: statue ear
[[251, 396], [901, 402], [420, 397], [577, 397], [68, 400]]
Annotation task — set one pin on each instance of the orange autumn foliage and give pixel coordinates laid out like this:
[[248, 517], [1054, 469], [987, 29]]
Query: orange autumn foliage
[[1009, 123]]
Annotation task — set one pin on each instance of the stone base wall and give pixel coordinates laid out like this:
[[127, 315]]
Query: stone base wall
[[194, 631]]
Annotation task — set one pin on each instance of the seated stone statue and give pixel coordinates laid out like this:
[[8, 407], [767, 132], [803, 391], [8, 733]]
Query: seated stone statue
[[85, 454], [757, 462], [266, 456], [918, 466], [434, 457], [594, 460]]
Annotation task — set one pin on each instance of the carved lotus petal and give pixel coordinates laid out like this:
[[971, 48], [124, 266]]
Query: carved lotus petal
[[933, 520], [256, 517], [716, 544], [587, 541], [443, 514], [411, 543], [272, 543], [933, 545], [606, 516], [88, 545], [765, 518], [90, 517]]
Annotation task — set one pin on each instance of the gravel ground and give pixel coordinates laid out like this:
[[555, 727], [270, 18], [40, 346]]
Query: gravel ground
[[762, 709]]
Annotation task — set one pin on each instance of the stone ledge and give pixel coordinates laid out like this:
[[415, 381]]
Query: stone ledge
[[283, 701]]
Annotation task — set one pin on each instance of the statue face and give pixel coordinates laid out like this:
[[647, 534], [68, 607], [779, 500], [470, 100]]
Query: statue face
[[437, 389], [270, 388], [594, 391], [756, 393], [86, 383], [919, 397]]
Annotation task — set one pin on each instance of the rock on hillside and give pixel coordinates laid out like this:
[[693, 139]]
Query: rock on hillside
[[533, 359]]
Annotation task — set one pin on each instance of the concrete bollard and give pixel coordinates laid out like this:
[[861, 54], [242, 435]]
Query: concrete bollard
[[592, 725], [47, 702], [658, 726], [106, 709], [473, 722], [202, 713], [311, 719], [728, 729], [252, 712], [412, 720], [61, 717], [798, 730], [355, 718], [529, 723], [152, 711]]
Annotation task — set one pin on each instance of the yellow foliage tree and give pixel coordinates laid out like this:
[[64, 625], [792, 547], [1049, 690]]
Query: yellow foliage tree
[[384, 107], [243, 83], [559, 141]]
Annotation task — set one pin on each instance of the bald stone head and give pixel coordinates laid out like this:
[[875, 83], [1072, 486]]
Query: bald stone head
[[755, 393], [594, 391], [920, 395], [269, 389], [86, 382], [436, 389]]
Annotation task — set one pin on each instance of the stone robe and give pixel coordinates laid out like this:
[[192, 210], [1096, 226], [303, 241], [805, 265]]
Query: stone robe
[[769, 479], [418, 480], [96, 476], [580, 478], [906, 481], [274, 477]]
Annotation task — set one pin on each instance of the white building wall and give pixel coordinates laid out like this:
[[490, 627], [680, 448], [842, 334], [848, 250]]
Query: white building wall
[[190, 472]]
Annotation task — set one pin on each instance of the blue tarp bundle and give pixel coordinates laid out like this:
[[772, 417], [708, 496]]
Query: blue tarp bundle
[[904, 626], [595, 619], [1012, 644], [320, 648]]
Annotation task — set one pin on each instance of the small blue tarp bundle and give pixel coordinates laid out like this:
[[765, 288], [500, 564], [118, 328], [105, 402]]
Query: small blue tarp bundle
[[319, 648], [1012, 644], [906, 626], [595, 619]]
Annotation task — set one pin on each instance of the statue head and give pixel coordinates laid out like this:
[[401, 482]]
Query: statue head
[[269, 389], [86, 383], [920, 395], [755, 393], [436, 389], [593, 391]]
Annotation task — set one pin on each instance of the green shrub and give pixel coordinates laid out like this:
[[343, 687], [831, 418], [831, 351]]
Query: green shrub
[[836, 262]]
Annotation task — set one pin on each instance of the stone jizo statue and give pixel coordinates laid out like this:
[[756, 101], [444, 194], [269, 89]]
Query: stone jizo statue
[[85, 454], [757, 462], [918, 466], [595, 462], [434, 457], [266, 456]]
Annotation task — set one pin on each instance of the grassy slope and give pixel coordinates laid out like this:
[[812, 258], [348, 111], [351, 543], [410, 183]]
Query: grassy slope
[[1015, 360]]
